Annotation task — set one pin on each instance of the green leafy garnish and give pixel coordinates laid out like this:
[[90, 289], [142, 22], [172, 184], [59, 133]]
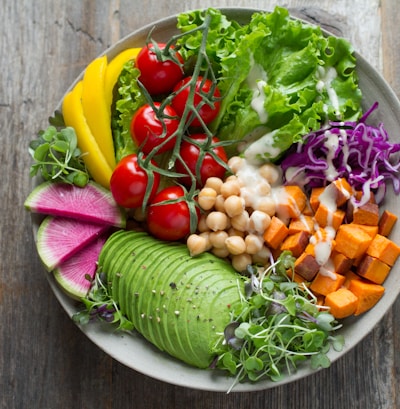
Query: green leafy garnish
[[57, 156], [99, 305], [130, 99], [277, 326]]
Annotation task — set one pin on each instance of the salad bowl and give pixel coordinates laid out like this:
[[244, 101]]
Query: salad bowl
[[135, 352]]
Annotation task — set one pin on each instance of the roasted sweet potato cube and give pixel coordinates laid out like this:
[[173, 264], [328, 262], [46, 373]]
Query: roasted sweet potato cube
[[326, 217], [358, 195], [342, 191], [372, 231], [321, 239], [349, 276], [367, 214], [341, 263], [342, 303], [368, 294], [326, 282], [373, 269], [308, 211], [275, 233], [384, 249], [352, 241], [296, 243], [303, 223], [314, 197], [292, 201], [386, 223], [297, 278], [306, 266]]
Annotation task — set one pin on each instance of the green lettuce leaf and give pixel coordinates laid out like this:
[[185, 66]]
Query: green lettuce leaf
[[279, 78], [130, 99]]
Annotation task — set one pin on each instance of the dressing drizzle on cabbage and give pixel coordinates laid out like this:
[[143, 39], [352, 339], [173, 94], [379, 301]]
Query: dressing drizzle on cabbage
[[359, 152]]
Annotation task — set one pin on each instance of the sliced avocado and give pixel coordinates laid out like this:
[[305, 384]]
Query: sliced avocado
[[179, 303]]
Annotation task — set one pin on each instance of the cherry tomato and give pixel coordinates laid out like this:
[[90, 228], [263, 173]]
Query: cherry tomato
[[169, 221], [209, 167], [203, 87], [129, 182], [158, 77], [148, 131]]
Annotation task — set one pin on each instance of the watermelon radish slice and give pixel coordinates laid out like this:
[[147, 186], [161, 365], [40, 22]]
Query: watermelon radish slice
[[59, 238], [75, 275], [92, 203]]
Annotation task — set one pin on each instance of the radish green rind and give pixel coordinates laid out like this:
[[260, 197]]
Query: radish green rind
[[92, 203], [59, 238], [179, 303]]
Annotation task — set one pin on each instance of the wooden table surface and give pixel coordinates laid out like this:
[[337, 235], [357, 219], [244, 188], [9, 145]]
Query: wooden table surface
[[45, 360]]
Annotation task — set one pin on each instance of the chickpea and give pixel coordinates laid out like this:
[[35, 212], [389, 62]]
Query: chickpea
[[217, 221], [214, 183], [234, 205], [263, 188], [241, 221], [235, 163], [217, 238], [206, 198], [248, 196], [231, 178], [220, 252], [270, 173], [219, 203], [206, 236], [196, 244], [229, 188], [235, 245], [233, 232], [259, 222], [254, 243], [266, 205], [241, 261], [202, 223], [263, 256]]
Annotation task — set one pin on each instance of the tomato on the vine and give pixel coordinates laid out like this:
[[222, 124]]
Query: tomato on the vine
[[170, 221], [157, 76], [129, 182], [209, 167], [148, 131], [206, 99]]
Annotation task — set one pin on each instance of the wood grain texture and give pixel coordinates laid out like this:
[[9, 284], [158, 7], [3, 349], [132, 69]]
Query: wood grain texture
[[45, 361]]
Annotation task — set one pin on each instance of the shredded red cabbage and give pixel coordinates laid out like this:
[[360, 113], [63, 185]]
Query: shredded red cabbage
[[359, 152]]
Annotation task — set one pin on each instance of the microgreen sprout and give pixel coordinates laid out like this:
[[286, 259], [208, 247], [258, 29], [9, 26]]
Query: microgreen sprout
[[99, 305], [57, 156], [276, 326]]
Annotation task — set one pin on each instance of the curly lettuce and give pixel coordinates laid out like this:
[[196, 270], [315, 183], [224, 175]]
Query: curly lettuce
[[130, 99], [280, 78]]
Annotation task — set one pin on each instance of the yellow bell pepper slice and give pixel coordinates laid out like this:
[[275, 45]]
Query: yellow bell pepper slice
[[95, 161], [114, 69], [95, 108]]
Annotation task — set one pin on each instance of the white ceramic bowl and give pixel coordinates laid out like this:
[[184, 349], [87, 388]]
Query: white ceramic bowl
[[136, 353]]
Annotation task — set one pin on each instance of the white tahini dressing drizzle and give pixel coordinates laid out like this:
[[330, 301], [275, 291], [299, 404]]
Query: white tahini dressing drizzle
[[332, 144], [325, 79], [322, 240], [257, 80], [262, 149]]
